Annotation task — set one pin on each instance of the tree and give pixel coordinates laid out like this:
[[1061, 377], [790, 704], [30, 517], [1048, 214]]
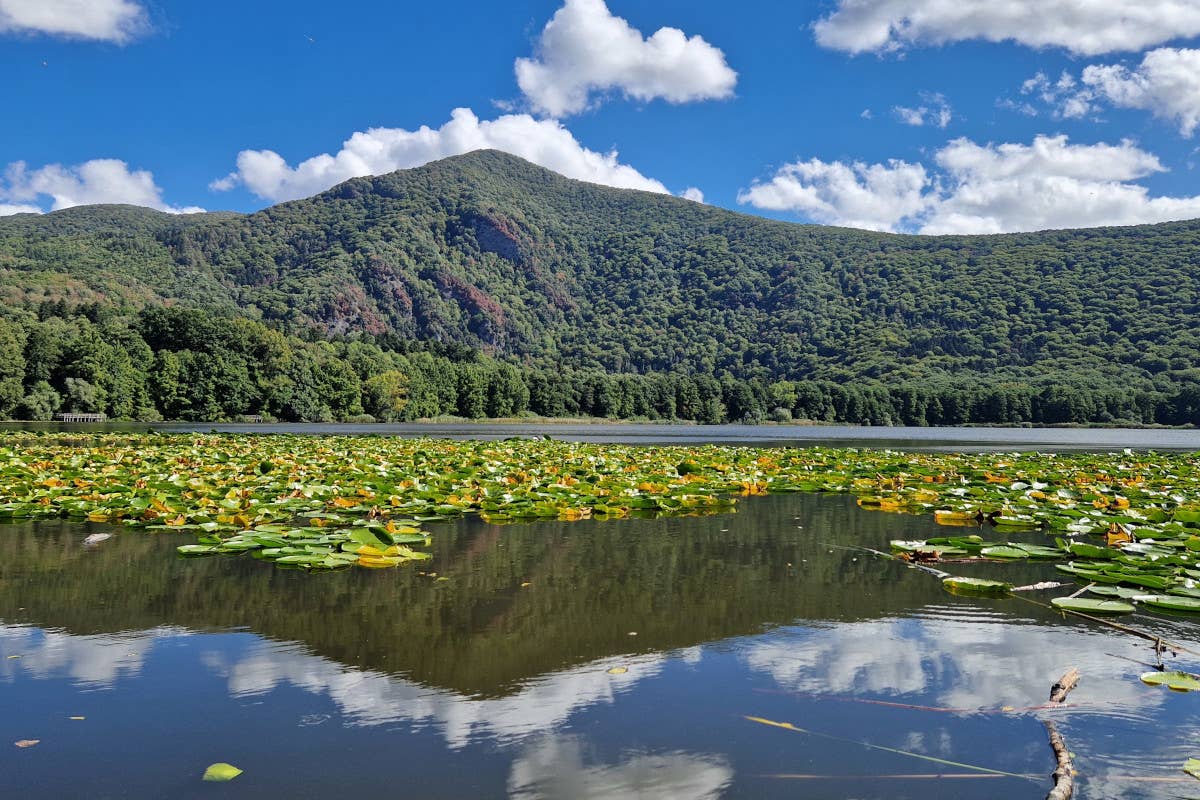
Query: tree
[[385, 396]]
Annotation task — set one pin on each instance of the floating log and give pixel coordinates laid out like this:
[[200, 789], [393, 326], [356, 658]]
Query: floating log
[[1064, 772]]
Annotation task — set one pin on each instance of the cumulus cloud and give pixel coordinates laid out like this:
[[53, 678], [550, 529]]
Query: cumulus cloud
[[857, 195], [1062, 94], [1091, 28], [102, 180], [934, 110], [992, 188], [584, 49], [380, 150], [8, 209], [556, 766], [1166, 83], [116, 21], [693, 194]]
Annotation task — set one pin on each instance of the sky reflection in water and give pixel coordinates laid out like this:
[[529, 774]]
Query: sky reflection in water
[[490, 690]]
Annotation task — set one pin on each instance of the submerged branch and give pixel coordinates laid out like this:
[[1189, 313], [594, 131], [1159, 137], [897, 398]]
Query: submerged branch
[[1064, 771]]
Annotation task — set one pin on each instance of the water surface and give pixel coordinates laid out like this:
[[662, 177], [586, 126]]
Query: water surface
[[564, 660], [964, 439]]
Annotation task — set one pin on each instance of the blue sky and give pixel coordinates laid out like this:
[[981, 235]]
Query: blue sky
[[803, 111]]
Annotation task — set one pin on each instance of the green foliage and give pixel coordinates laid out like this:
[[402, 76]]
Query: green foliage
[[498, 288], [385, 395]]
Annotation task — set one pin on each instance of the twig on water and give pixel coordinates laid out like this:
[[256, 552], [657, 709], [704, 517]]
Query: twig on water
[[787, 726]]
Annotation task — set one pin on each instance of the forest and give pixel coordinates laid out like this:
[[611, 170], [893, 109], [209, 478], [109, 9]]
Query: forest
[[484, 286], [178, 363]]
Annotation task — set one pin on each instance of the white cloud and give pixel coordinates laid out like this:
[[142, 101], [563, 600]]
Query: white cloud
[[102, 180], [934, 111], [556, 767], [1086, 28], [1008, 664], [1049, 184], [693, 194], [116, 21], [380, 150], [1166, 83], [875, 196], [991, 188], [584, 48], [96, 661], [8, 209]]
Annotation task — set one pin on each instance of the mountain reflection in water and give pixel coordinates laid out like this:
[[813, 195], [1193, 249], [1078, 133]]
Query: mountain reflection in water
[[519, 675]]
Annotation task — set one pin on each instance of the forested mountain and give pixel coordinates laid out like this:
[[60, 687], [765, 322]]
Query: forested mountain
[[535, 270]]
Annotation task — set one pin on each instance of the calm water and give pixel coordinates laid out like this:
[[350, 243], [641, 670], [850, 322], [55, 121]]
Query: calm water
[[957, 439], [558, 660]]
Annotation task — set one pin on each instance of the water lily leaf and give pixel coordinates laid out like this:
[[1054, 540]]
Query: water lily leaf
[[1122, 592], [197, 550], [1037, 550], [1174, 680], [1086, 550], [221, 772], [976, 586], [1170, 602], [1003, 551], [1089, 606]]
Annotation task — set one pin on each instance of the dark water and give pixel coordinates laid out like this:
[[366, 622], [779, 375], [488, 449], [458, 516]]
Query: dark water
[[956, 439], [496, 681]]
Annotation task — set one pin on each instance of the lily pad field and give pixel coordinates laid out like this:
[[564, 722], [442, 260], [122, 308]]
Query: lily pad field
[[483, 574]]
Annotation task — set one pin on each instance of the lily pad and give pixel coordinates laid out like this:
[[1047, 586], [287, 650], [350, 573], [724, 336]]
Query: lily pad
[[1003, 551], [980, 587], [221, 772], [1175, 681], [1170, 602], [1089, 606]]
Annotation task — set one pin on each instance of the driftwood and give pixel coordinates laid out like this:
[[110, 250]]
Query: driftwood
[[1060, 690], [1064, 772]]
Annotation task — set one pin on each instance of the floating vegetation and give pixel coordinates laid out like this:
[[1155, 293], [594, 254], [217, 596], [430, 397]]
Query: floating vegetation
[[221, 772], [1173, 680], [1124, 520], [1089, 606], [980, 587]]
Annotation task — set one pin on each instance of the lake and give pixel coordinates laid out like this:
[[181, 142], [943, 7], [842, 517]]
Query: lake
[[965, 439], [568, 660]]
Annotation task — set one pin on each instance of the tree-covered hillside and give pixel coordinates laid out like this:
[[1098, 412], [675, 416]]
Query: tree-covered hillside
[[489, 251]]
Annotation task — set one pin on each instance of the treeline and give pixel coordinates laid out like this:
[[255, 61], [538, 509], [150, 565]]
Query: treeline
[[176, 363]]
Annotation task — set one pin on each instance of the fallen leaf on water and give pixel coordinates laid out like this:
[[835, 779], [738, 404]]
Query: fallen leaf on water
[[78, 719], [12, 657], [618, 670], [27, 742], [1192, 767], [221, 772]]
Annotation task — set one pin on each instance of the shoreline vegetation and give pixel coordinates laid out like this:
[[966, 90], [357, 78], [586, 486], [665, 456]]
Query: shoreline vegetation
[[176, 363], [1126, 522]]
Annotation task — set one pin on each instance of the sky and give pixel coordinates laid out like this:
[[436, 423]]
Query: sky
[[913, 116]]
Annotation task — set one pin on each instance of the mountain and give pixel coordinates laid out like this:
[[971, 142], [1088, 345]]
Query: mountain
[[491, 251]]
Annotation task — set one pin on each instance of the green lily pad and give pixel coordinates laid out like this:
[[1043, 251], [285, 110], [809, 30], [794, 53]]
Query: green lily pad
[[1123, 592], [1003, 551], [1175, 681], [221, 772], [1170, 602], [1089, 606], [976, 587]]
